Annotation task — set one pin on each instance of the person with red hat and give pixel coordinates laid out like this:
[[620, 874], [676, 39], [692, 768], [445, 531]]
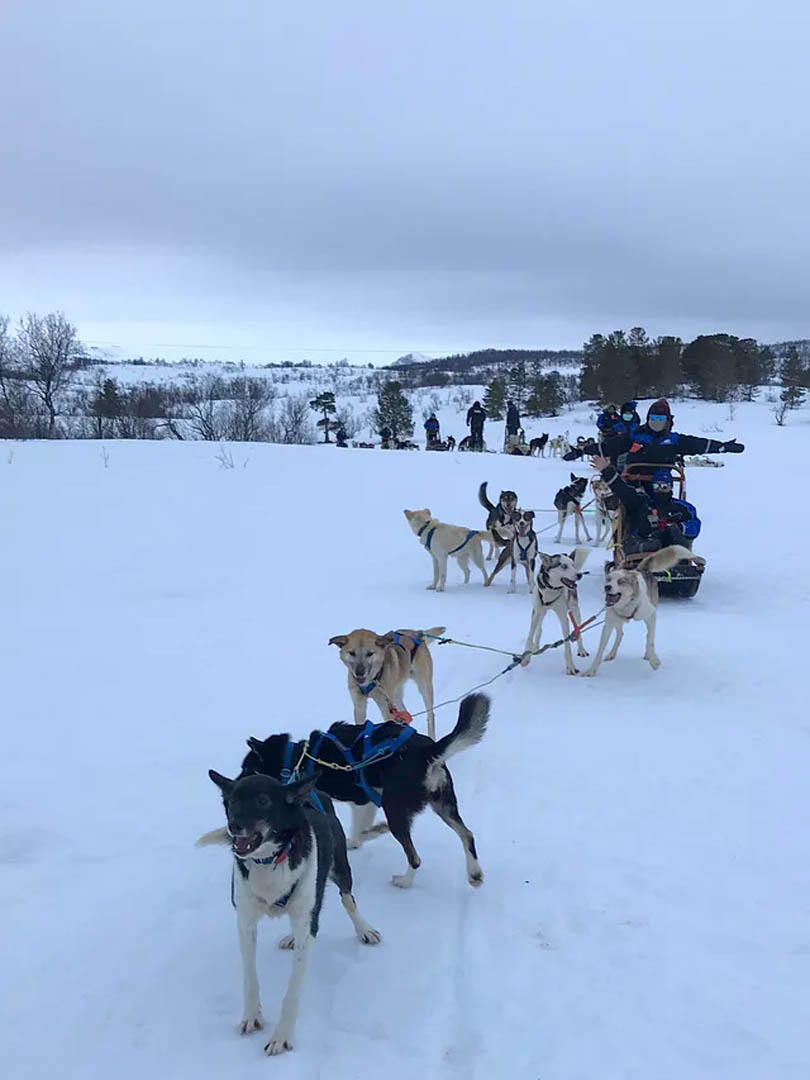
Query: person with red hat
[[655, 444]]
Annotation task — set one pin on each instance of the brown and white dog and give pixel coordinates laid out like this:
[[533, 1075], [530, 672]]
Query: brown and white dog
[[441, 541], [379, 665], [632, 595], [521, 550]]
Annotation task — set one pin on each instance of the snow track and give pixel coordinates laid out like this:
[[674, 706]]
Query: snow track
[[643, 834]]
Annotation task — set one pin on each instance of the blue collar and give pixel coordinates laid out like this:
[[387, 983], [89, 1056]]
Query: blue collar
[[370, 686], [429, 538]]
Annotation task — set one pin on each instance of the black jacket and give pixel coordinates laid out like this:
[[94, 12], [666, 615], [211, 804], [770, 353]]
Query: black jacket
[[639, 507], [512, 418], [476, 417]]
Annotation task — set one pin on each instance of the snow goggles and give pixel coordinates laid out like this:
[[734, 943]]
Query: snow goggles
[[661, 485], [658, 416]]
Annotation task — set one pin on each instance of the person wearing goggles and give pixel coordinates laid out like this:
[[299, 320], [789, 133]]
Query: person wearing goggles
[[654, 443], [653, 515]]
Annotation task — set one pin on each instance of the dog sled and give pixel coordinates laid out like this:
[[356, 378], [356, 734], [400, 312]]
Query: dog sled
[[683, 579]]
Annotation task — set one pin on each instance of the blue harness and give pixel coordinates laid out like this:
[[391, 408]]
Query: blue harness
[[523, 551], [287, 777], [429, 538], [362, 753]]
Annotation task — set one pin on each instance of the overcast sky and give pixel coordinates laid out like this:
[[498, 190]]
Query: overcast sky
[[369, 178]]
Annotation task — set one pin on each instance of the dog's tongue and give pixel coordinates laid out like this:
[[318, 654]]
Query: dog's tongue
[[243, 845]]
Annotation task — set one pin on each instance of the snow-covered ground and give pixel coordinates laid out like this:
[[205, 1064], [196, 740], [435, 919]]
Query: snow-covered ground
[[644, 834]]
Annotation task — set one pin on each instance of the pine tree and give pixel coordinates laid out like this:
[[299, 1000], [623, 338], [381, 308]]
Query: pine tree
[[749, 366], [643, 361], [615, 374], [668, 366], [106, 404], [792, 374], [708, 364], [325, 405], [495, 398], [393, 411], [518, 384], [589, 376], [546, 396]]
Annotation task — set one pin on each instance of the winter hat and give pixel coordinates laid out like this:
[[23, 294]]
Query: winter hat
[[659, 408], [662, 476], [628, 407]]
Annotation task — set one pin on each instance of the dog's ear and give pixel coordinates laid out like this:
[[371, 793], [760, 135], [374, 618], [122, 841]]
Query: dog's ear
[[339, 640], [384, 639], [256, 745], [529, 514], [296, 792], [573, 477], [223, 783], [545, 559]]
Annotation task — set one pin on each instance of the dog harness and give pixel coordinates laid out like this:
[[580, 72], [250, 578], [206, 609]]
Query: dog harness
[[369, 686], [464, 542], [287, 777], [429, 538], [523, 551], [361, 754], [415, 642]]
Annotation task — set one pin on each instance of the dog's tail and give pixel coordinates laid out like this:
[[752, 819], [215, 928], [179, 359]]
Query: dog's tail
[[473, 716], [216, 836], [483, 499], [580, 557], [668, 557], [433, 632]]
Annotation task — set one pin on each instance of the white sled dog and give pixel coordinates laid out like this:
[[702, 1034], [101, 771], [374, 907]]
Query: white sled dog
[[555, 589], [633, 595], [444, 540]]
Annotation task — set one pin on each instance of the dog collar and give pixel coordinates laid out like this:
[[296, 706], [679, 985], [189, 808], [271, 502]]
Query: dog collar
[[369, 685], [423, 528], [276, 859]]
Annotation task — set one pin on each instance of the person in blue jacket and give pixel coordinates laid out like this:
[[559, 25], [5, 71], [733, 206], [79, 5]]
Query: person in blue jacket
[[654, 444], [432, 429], [629, 420], [652, 513]]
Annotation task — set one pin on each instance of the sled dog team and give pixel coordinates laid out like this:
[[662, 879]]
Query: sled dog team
[[282, 829]]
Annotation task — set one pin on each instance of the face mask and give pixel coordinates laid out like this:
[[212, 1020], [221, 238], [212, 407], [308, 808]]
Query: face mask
[[627, 417], [657, 425]]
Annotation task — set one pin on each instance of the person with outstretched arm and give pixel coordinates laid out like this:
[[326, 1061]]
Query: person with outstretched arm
[[654, 443]]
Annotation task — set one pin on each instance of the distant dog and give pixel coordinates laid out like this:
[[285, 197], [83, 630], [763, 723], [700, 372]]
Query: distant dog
[[633, 595], [567, 501], [558, 446], [363, 445], [555, 589], [443, 540], [537, 447], [284, 850], [521, 549], [606, 504], [379, 665], [466, 443], [451, 443], [499, 517], [406, 444], [411, 779]]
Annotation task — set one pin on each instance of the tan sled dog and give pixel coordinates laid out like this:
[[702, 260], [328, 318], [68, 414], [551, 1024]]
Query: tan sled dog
[[633, 595], [442, 540], [379, 665]]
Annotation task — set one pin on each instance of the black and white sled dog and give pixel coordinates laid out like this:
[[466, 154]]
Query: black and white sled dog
[[555, 589], [633, 595], [284, 850], [521, 550], [414, 777], [606, 504], [499, 517], [567, 502]]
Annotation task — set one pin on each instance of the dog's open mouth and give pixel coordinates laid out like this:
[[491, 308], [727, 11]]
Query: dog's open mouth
[[244, 845], [569, 584], [612, 598]]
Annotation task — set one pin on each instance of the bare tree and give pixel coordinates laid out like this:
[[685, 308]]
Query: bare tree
[[50, 348], [19, 417], [248, 416], [293, 424], [206, 412]]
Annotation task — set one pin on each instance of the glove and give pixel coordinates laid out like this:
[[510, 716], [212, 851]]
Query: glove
[[572, 455], [733, 447]]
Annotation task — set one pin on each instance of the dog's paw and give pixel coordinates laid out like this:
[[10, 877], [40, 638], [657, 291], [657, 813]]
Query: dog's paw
[[402, 881], [510, 589], [369, 936], [589, 674], [525, 661], [476, 878], [251, 1024], [440, 588], [278, 1045], [571, 671], [654, 662], [352, 844], [430, 587], [287, 942]]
